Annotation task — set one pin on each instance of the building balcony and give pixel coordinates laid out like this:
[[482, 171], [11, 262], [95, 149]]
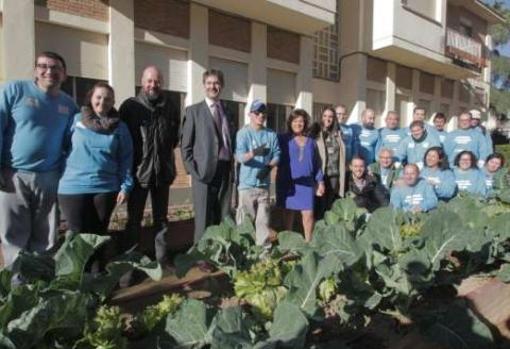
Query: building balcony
[[300, 16], [464, 50], [410, 34]]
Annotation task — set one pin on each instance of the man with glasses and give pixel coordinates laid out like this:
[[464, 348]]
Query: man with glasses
[[258, 152], [347, 132], [35, 123]]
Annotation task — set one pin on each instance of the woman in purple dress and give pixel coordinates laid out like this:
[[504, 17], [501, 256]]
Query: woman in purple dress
[[299, 177]]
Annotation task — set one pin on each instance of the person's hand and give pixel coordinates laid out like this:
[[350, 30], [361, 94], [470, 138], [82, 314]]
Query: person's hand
[[122, 198], [321, 189], [263, 173], [399, 182], [260, 150], [416, 209]]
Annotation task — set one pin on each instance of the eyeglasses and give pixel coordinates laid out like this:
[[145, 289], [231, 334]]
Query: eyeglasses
[[45, 67]]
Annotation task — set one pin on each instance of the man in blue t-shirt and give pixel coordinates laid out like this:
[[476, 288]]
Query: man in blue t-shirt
[[257, 151], [35, 123], [366, 135], [347, 130]]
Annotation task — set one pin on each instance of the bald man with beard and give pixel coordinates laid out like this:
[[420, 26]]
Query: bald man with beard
[[153, 121]]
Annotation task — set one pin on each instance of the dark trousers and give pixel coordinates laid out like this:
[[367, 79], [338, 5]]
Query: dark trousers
[[87, 213], [323, 203], [136, 207], [212, 201], [90, 213]]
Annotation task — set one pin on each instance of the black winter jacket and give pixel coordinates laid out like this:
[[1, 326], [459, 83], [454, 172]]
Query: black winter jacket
[[372, 196], [154, 128]]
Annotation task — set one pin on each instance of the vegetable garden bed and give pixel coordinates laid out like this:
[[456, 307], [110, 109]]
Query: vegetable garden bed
[[391, 280]]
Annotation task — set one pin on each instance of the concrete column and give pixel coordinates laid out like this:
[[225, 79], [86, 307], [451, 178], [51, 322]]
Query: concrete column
[[454, 108], [391, 88], [305, 75], [354, 85], [121, 49], [415, 94], [257, 73], [18, 29], [198, 59], [436, 102]]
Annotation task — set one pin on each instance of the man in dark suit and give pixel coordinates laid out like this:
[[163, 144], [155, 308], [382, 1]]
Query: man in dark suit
[[207, 142]]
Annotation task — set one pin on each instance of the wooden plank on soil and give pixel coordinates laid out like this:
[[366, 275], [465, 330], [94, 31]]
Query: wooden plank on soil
[[168, 283]]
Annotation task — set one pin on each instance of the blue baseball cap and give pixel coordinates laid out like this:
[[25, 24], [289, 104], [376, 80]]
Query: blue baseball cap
[[257, 106]]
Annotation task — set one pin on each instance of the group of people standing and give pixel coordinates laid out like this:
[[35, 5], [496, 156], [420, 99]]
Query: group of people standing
[[55, 157]]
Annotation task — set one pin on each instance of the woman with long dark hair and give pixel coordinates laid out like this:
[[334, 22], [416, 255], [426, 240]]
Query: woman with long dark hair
[[496, 175], [332, 155], [437, 173]]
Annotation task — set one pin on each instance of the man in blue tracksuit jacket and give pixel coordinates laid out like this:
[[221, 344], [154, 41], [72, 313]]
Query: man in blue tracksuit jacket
[[367, 135], [35, 131], [414, 194], [348, 135], [391, 135], [466, 138]]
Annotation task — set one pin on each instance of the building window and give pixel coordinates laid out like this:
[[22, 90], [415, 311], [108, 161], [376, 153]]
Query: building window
[[326, 63], [236, 109], [277, 117], [77, 87], [426, 9]]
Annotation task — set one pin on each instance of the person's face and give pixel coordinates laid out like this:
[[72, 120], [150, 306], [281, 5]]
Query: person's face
[[49, 73], [439, 123], [419, 114], [417, 132], [464, 121], [432, 159], [213, 87], [357, 168], [385, 159], [341, 115], [369, 119], [151, 83], [410, 175], [327, 119], [475, 122], [298, 125], [465, 162], [392, 121], [493, 165], [102, 101], [258, 119]]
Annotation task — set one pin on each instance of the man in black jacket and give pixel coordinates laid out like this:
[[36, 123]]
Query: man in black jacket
[[153, 121], [365, 188]]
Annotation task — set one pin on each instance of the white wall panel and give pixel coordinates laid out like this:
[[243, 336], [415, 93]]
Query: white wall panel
[[236, 78], [171, 62], [86, 53], [281, 87]]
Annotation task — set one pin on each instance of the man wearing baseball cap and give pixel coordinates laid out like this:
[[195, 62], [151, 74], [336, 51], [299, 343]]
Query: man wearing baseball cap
[[257, 151], [476, 123]]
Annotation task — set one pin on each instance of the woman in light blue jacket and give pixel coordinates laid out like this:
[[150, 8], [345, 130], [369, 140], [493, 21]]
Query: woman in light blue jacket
[[468, 176], [437, 173], [97, 175]]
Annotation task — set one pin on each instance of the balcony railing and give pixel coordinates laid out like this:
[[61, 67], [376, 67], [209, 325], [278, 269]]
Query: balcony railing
[[464, 49]]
